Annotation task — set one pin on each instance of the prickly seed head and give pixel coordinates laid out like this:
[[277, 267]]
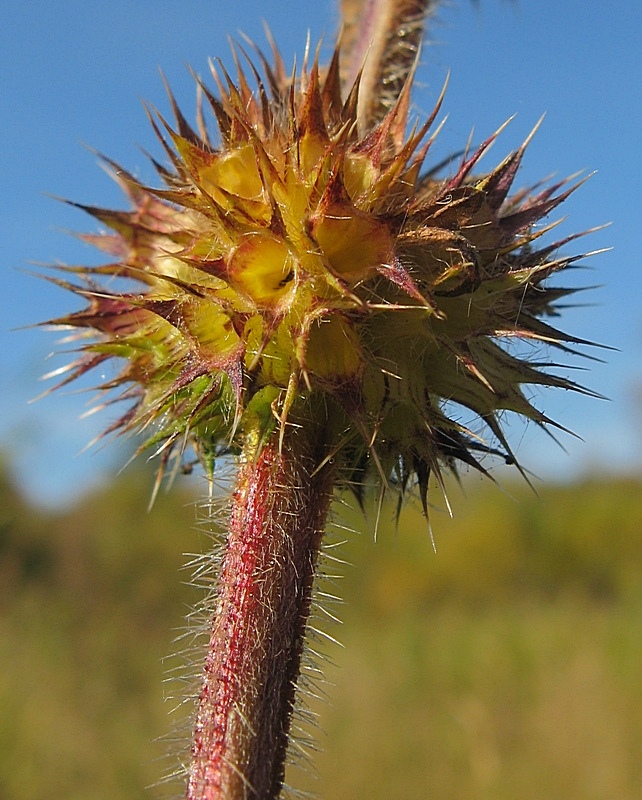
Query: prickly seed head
[[300, 265]]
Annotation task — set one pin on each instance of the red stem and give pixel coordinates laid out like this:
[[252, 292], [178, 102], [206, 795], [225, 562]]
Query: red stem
[[278, 513]]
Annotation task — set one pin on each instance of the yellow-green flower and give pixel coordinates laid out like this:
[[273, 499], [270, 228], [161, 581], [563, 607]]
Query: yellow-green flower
[[298, 261]]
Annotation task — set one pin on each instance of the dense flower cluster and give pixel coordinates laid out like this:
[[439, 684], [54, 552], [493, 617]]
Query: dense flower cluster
[[302, 265]]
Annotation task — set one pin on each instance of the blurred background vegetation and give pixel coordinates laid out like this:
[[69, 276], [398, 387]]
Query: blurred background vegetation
[[505, 666]]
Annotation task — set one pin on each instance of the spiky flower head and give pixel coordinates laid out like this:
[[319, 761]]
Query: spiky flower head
[[302, 267]]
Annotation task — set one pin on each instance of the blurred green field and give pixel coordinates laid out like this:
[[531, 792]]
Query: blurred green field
[[506, 666]]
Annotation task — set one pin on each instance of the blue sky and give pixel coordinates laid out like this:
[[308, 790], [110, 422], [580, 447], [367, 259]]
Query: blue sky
[[74, 74]]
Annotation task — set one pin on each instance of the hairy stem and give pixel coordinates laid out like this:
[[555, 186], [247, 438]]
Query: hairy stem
[[382, 37], [279, 508]]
